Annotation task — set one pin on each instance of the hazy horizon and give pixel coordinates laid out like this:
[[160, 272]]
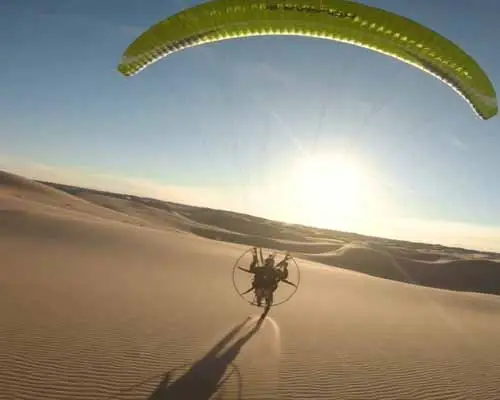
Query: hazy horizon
[[411, 230]]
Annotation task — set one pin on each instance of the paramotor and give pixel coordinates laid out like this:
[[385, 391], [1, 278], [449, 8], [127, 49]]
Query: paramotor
[[265, 282]]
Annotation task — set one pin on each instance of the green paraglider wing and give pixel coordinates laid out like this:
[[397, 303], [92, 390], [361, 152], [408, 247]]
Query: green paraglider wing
[[340, 20]]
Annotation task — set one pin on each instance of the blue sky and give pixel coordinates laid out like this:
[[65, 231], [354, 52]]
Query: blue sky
[[222, 125]]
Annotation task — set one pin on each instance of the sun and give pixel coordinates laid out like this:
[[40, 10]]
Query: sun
[[332, 190]]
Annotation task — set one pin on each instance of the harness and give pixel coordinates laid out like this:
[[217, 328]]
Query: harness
[[266, 278]]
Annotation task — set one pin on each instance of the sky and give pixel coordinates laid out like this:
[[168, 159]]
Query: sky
[[295, 129]]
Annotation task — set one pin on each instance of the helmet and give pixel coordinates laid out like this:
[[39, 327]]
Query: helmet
[[269, 262]]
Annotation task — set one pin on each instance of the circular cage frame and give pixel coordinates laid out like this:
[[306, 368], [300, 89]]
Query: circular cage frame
[[254, 302]]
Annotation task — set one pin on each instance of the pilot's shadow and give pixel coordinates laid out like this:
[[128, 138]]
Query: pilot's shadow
[[207, 375]]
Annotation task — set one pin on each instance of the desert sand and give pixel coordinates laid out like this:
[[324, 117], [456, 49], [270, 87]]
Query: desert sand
[[109, 296]]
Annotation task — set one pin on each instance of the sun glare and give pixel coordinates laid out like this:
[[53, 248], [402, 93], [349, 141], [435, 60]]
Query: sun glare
[[333, 191]]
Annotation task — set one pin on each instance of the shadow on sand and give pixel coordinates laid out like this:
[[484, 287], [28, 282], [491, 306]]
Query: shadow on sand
[[209, 374]]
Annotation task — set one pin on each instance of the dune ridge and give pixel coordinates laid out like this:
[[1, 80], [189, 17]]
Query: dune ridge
[[464, 274], [423, 264]]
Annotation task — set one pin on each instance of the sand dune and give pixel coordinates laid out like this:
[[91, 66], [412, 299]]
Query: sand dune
[[99, 308], [418, 263], [472, 275], [24, 195]]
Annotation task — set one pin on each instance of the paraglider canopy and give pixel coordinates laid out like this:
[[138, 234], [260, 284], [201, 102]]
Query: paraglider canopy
[[339, 20]]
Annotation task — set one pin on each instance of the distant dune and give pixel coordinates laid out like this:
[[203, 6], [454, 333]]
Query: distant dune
[[109, 296], [466, 274], [21, 194], [417, 263]]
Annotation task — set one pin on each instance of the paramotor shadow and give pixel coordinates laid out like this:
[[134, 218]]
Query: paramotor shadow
[[211, 372]]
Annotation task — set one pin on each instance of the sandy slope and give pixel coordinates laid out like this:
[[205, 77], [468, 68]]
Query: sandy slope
[[100, 309], [462, 273]]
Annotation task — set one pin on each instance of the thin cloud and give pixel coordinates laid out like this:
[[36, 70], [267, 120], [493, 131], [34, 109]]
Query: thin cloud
[[263, 72], [455, 141], [90, 20]]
